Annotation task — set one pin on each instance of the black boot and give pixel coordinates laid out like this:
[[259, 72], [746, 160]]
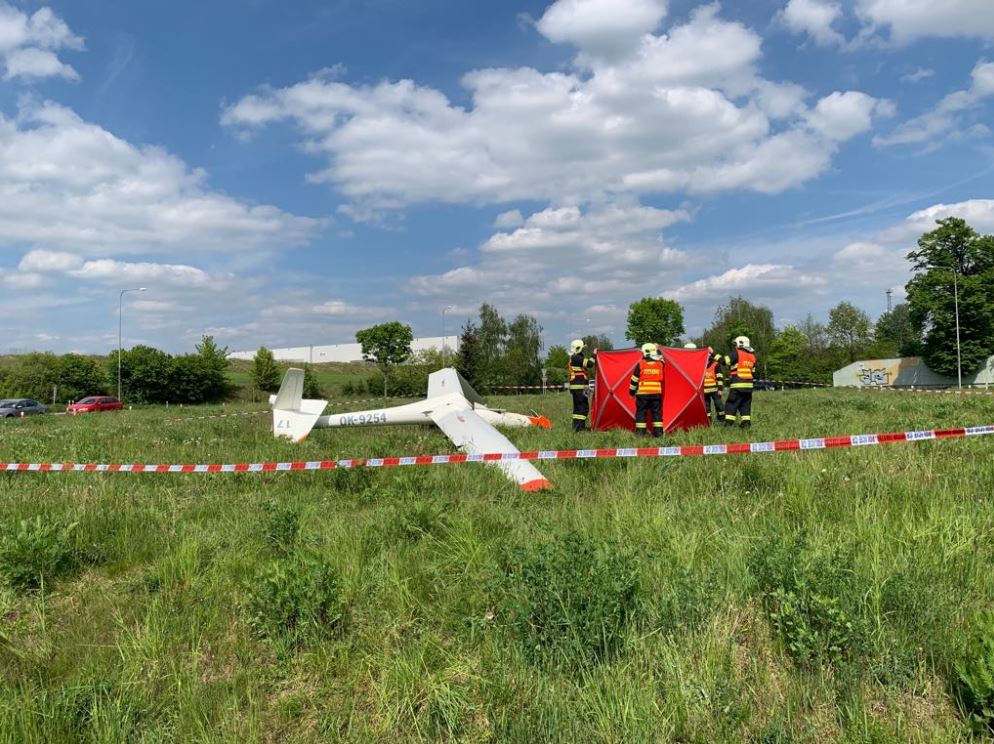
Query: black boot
[[729, 422], [745, 425]]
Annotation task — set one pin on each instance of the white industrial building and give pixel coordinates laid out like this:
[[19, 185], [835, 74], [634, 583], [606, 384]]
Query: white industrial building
[[344, 352]]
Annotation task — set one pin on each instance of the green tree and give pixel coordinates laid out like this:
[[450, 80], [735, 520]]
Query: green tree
[[146, 374], [215, 369], [34, 375], [788, 358], [556, 362], [469, 359], [739, 317], [387, 344], [656, 320], [493, 335], [953, 261], [600, 342], [895, 330], [189, 380], [849, 328], [523, 351], [266, 372], [78, 376]]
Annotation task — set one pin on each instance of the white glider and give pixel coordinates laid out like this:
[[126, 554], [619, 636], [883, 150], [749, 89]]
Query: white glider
[[451, 404]]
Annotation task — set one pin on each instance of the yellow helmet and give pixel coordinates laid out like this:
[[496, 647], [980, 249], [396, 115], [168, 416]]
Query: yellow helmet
[[690, 345], [576, 346], [742, 342]]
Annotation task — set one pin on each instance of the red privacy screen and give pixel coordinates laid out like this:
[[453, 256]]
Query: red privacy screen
[[683, 381]]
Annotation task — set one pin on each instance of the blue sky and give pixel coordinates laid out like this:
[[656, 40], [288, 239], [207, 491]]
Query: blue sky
[[286, 173]]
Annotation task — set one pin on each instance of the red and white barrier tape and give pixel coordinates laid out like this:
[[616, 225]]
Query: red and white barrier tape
[[787, 445]]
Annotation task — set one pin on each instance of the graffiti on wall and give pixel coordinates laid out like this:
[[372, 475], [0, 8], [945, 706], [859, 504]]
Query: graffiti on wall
[[874, 377]]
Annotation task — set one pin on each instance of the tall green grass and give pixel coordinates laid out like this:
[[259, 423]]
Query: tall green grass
[[823, 596]]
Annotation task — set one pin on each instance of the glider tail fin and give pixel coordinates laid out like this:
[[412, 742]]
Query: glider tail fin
[[294, 417]]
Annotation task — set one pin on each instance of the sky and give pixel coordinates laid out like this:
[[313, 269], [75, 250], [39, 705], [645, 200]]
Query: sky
[[284, 174]]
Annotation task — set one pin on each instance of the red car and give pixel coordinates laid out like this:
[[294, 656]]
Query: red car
[[95, 403]]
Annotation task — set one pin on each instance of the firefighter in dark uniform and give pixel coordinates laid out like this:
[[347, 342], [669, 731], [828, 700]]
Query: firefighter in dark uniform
[[647, 387], [741, 365], [714, 384], [579, 378]]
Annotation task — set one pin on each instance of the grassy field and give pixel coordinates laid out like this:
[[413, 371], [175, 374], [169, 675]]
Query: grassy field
[[330, 376], [815, 597]]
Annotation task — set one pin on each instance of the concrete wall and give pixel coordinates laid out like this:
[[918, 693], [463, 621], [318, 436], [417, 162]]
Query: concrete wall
[[903, 372], [342, 352]]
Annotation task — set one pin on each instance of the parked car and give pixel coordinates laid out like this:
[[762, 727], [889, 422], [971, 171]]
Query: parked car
[[94, 404], [17, 407]]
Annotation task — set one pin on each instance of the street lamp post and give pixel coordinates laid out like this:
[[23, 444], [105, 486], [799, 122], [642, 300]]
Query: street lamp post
[[959, 362], [444, 309], [120, 326]]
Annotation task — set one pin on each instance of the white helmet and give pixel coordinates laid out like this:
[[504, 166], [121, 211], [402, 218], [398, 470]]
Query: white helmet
[[649, 350], [742, 342], [576, 346], [690, 345]]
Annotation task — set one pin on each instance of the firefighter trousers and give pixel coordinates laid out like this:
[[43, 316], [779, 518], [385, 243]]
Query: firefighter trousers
[[738, 407], [581, 408], [714, 399], [649, 406]]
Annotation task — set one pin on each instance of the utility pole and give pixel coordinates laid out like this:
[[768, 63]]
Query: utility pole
[[959, 362]]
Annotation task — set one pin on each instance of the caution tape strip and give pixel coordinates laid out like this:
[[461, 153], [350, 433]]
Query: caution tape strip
[[787, 445]]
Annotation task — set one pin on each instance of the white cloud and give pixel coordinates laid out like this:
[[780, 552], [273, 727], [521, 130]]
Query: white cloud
[[70, 185], [814, 17], [601, 26], [978, 213], [949, 118], [29, 44], [841, 116], [918, 75], [911, 19], [108, 270], [759, 281], [509, 219], [684, 110]]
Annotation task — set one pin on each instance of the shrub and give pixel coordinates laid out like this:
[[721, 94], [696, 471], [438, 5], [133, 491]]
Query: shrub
[[570, 601], [296, 600], [36, 552], [266, 373], [974, 683], [79, 376], [813, 602]]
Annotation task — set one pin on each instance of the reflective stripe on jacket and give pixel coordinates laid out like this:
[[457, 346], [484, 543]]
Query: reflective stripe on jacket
[[742, 364], [714, 379], [647, 378], [577, 369]]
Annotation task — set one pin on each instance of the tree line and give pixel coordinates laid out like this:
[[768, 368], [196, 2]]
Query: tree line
[[148, 375]]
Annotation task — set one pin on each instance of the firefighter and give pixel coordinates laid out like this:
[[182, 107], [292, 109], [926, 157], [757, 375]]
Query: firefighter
[[741, 365], [714, 384], [579, 378], [647, 388]]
